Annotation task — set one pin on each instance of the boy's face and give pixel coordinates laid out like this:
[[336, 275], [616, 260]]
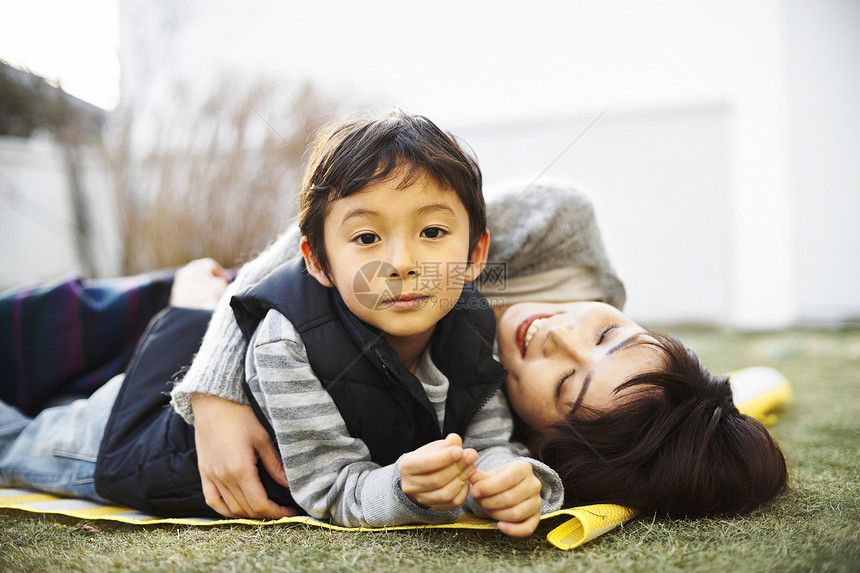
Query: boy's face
[[398, 257]]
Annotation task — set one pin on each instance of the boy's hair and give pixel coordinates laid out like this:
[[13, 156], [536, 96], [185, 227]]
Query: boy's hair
[[351, 154], [675, 445]]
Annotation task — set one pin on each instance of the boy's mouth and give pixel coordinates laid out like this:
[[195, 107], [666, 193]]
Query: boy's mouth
[[405, 301], [527, 329]]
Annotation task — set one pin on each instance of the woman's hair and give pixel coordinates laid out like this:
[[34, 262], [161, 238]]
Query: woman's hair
[[674, 444], [362, 149]]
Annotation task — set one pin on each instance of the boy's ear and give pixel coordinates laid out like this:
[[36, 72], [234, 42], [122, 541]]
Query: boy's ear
[[479, 257], [313, 266]]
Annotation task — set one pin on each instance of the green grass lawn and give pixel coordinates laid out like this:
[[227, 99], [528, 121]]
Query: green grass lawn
[[815, 526]]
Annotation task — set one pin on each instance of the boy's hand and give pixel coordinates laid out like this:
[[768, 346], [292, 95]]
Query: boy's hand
[[437, 475], [229, 438], [510, 494]]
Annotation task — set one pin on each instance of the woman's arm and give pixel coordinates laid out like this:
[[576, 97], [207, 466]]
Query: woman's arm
[[229, 438], [218, 366]]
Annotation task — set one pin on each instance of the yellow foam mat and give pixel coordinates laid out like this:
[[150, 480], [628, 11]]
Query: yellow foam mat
[[583, 524]]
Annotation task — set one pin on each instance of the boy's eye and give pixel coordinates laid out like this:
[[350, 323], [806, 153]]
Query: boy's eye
[[433, 232], [366, 238]]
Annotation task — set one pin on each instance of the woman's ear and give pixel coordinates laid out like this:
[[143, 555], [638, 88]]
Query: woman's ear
[[479, 257], [313, 266]]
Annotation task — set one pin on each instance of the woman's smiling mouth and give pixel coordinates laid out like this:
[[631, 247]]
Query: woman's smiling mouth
[[527, 329]]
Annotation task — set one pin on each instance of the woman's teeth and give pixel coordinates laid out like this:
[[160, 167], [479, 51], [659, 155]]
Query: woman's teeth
[[533, 327]]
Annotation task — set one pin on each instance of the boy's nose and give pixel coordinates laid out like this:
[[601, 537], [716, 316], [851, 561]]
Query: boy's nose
[[403, 262], [404, 270]]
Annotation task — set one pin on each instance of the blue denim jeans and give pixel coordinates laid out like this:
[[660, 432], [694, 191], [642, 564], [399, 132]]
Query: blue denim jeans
[[56, 451]]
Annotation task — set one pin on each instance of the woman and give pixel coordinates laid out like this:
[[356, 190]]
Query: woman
[[629, 416]]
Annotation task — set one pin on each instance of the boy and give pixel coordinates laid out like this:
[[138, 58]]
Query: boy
[[401, 352], [395, 225]]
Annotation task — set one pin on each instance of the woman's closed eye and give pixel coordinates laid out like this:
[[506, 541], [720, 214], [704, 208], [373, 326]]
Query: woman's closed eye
[[604, 332], [560, 385]]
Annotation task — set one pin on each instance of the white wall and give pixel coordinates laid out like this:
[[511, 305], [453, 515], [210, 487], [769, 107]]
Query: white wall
[[823, 51], [36, 220], [671, 165], [722, 113]]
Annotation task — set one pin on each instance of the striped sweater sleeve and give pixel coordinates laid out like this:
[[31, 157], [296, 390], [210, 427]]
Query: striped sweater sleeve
[[218, 367], [490, 434]]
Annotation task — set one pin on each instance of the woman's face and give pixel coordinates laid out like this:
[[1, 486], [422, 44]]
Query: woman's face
[[561, 354]]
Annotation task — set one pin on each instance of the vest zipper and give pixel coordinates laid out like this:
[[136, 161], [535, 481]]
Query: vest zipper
[[430, 410]]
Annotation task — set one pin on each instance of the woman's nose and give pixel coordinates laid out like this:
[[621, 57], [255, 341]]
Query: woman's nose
[[566, 339]]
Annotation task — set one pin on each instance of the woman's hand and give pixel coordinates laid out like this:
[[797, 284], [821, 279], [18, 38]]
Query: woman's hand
[[437, 475], [510, 494], [229, 438]]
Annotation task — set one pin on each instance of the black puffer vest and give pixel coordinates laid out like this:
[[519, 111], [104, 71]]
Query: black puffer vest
[[381, 401], [148, 460]]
